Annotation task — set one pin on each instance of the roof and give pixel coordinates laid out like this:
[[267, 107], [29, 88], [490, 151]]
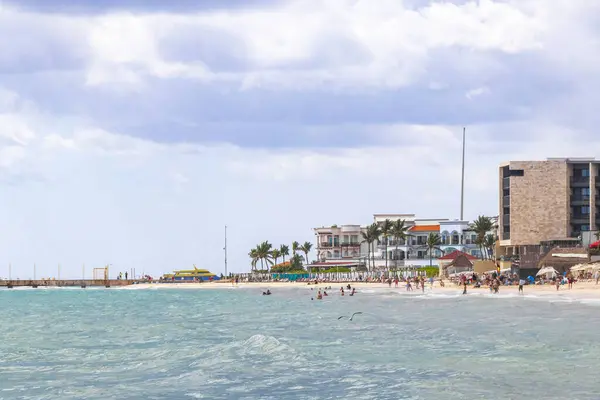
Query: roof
[[461, 261], [333, 264], [455, 254], [564, 257], [425, 228]]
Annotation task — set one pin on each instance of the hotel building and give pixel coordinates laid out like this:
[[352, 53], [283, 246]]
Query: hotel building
[[556, 200], [343, 245]]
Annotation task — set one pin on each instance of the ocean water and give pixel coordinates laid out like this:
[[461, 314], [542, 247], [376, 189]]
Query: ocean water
[[238, 344]]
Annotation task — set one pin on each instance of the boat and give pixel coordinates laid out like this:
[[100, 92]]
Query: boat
[[191, 275]]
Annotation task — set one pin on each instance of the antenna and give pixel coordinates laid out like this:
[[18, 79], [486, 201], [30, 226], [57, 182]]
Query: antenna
[[462, 182]]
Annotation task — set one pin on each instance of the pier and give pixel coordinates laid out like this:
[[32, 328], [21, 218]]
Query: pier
[[82, 283]]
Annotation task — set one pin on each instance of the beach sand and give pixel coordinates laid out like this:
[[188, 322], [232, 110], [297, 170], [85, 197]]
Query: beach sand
[[580, 289]]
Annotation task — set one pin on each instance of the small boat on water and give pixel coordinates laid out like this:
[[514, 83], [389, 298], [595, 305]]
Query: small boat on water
[[191, 275]]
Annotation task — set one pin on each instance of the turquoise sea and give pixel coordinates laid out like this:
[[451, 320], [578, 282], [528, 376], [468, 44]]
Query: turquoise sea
[[238, 344]]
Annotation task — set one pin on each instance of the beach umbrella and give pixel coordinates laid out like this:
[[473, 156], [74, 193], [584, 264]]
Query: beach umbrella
[[595, 244]]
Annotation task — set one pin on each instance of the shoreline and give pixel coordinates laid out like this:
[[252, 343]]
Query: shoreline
[[589, 289]]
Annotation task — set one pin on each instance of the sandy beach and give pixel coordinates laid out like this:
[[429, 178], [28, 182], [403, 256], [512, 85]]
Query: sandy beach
[[580, 289]]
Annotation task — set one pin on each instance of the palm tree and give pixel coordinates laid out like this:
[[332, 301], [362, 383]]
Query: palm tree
[[275, 253], [296, 262], [433, 242], [399, 232], [284, 250], [386, 230], [306, 248], [253, 254], [295, 247], [489, 243], [597, 234], [264, 254], [481, 226], [370, 236]]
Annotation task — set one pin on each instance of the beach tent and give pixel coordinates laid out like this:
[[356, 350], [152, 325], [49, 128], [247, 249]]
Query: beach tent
[[548, 271]]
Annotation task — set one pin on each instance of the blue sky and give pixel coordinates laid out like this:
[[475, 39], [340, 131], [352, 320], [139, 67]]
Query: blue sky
[[132, 132]]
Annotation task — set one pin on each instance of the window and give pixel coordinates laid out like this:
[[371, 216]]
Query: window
[[585, 209], [585, 172], [517, 172], [585, 228]]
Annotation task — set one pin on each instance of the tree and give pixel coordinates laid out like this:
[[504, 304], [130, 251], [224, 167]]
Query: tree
[[481, 226], [370, 236], [275, 253], [253, 254], [264, 254], [399, 232], [386, 230], [295, 247], [306, 248], [490, 244], [433, 242], [296, 262], [284, 250], [597, 234]]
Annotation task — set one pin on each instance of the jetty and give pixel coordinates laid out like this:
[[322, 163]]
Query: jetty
[[82, 283]]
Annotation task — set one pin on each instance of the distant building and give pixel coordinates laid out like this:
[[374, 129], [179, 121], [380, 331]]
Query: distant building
[[343, 246], [552, 202]]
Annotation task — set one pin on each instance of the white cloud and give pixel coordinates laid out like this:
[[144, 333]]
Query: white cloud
[[396, 42], [471, 94]]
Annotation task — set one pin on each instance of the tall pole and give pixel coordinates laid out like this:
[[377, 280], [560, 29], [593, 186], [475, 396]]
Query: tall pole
[[59, 272], [462, 182], [225, 249]]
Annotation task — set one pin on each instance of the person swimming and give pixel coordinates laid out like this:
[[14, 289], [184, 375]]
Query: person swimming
[[319, 296], [267, 293]]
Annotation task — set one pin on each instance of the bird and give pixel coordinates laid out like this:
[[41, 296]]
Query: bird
[[349, 319]]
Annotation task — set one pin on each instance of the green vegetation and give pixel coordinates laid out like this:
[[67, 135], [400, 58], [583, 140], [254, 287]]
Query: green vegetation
[[268, 257], [430, 272], [486, 241]]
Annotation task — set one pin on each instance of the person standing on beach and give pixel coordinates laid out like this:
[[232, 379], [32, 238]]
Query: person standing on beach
[[521, 283], [464, 287]]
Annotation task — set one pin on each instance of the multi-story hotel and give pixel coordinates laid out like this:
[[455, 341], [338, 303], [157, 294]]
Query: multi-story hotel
[[343, 245], [556, 200]]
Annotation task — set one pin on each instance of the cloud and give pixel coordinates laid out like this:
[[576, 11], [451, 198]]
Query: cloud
[[130, 134]]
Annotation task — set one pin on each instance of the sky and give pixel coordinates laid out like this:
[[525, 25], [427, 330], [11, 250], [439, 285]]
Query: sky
[[132, 132]]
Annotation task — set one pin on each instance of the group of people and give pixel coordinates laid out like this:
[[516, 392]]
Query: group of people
[[320, 294]]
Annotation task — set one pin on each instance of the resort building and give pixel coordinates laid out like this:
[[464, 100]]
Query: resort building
[[548, 202], [343, 245]]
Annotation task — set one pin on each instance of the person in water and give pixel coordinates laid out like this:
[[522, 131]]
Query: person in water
[[267, 293], [319, 296], [353, 291]]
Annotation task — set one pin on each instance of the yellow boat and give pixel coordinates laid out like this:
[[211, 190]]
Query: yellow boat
[[191, 275]]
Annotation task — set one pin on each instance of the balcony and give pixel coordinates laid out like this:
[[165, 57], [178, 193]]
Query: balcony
[[505, 183], [580, 181], [580, 199], [350, 244], [580, 219], [506, 201]]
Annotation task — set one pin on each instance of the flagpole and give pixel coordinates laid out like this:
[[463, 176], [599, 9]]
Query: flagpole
[[462, 183], [225, 249]]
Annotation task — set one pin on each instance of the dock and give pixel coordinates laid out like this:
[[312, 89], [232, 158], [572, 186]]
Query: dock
[[82, 283]]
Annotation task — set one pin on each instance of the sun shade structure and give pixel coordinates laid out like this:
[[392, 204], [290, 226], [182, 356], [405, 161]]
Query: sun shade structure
[[562, 259]]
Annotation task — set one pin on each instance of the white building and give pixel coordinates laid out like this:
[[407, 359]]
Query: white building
[[343, 245]]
